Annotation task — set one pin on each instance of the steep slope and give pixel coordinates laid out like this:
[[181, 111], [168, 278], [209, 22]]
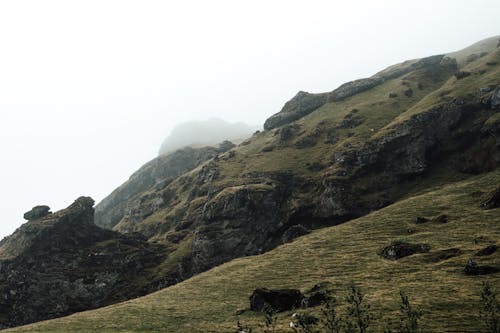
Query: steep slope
[[61, 263], [428, 121], [340, 254], [161, 170]]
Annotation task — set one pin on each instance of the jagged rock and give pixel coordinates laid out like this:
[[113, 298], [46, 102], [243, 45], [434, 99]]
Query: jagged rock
[[408, 92], [293, 232], [318, 294], [156, 173], [493, 200], [300, 105], [461, 74], [398, 250], [472, 268], [37, 212], [487, 251], [278, 300], [63, 263], [495, 99]]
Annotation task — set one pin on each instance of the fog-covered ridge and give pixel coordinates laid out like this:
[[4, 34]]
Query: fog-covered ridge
[[205, 133]]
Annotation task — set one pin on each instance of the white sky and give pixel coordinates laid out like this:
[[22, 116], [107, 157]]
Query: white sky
[[89, 89]]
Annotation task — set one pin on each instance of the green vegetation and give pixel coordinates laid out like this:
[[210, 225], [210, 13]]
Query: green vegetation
[[340, 254]]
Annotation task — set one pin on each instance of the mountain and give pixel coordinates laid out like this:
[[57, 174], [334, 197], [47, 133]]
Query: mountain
[[205, 133], [354, 168]]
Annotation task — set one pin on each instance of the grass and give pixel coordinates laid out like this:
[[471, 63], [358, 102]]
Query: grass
[[340, 254]]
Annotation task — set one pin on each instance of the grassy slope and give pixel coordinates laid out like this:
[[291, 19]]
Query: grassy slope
[[207, 302]]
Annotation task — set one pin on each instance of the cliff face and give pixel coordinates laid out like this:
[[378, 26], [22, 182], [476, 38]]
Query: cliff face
[[161, 170], [323, 160], [63, 263], [328, 158]]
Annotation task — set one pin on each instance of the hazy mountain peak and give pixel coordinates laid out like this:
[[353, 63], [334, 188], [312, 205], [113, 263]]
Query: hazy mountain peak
[[205, 133]]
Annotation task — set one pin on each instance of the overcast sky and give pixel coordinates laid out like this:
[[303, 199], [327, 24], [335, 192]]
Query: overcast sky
[[89, 89]]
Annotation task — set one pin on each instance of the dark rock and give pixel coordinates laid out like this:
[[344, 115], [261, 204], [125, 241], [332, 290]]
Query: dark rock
[[440, 219], [486, 89], [489, 250], [156, 173], [225, 146], [63, 263], [304, 319], [293, 232], [491, 63], [278, 300], [37, 212], [472, 268], [408, 92], [420, 220], [493, 200], [471, 57], [393, 95], [318, 294], [461, 74], [495, 99], [442, 255], [300, 105], [267, 149], [398, 250], [351, 121]]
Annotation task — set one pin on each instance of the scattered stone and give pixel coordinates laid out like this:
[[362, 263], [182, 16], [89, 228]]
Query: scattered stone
[[461, 74], [420, 220], [267, 149], [408, 92], [318, 294], [293, 232], [472, 268], [489, 250], [393, 95], [37, 212], [493, 200], [495, 99], [398, 250], [278, 300]]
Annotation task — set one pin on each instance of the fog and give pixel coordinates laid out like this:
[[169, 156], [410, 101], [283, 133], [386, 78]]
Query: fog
[[90, 89], [207, 132]]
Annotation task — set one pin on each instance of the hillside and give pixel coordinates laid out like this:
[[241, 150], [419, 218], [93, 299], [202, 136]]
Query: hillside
[[340, 254], [354, 166]]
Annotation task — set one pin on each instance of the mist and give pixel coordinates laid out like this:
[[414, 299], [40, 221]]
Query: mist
[[90, 90]]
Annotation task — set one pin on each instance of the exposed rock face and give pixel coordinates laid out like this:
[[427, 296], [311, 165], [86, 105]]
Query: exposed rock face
[[293, 232], [300, 105], [278, 300], [159, 171], [63, 263], [400, 250], [304, 103], [37, 212]]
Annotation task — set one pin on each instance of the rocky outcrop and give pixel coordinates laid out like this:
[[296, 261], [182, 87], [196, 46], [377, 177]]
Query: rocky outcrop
[[277, 300], [158, 172], [63, 263], [304, 103], [300, 105], [36, 213], [398, 250]]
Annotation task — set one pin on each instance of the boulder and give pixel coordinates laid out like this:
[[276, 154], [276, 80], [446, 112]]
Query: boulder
[[493, 200], [37, 212], [489, 250], [472, 268], [420, 220], [408, 92], [398, 250], [461, 74], [293, 232], [278, 300], [495, 99]]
